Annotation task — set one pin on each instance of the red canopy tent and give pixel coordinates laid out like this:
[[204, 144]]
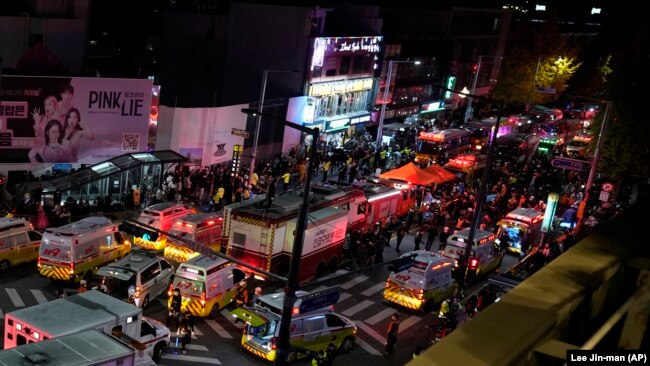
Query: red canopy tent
[[442, 175], [411, 174]]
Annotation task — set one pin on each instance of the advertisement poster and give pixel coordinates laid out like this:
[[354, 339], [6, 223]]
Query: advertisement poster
[[72, 120], [194, 154]]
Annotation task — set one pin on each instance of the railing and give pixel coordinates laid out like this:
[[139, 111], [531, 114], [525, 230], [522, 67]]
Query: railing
[[578, 301]]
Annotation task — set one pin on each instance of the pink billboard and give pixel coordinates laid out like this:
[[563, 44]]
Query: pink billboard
[[72, 120]]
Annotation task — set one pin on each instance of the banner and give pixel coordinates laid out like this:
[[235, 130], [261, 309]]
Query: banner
[[72, 120]]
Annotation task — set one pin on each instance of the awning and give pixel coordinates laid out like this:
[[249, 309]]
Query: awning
[[442, 175], [410, 173]]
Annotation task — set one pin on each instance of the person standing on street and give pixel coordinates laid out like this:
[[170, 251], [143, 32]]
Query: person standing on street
[[431, 236], [391, 334], [174, 308], [444, 235], [185, 330], [418, 239]]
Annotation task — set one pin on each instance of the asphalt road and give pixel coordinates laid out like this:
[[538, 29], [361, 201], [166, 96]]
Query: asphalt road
[[217, 342]]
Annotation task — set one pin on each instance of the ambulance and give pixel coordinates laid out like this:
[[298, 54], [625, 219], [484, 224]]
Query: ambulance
[[467, 167], [486, 255], [202, 228], [19, 242], [521, 228], [160, 216], [207, 285], [75, 251], [424, 285], [311, 329]]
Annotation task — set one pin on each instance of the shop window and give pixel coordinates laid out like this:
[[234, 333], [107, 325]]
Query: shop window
[[344, 66], [20, 340], [330, 72]]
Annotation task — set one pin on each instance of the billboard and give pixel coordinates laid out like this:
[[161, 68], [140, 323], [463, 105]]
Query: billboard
[[72, 120], [345, 57]]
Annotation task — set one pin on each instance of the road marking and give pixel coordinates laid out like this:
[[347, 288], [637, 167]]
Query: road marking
[[380, 316], [370, 349], [194, 347], [371, 332], [38, 295], [15, 298], [344, 296], [218, 328], [207, 360], [410, 321], [357, 308], [232, 319], [353, 282], [197, 331], [374, 289]]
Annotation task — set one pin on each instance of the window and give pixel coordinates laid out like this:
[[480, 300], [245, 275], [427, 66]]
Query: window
[[150, 273], [146, 329], [34, 235], [19, 239], [10, 336], [20, 340], [344, 66], [334, 321], [119, 239], [109, 240], [239, 239], [164, 264], [314, 324], [361, 209], [237, 275], [330, 72]]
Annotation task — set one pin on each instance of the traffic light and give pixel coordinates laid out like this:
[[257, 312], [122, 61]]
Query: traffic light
[[473, 263]]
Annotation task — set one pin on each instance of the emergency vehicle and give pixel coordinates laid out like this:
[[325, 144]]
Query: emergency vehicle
[[311, 330], [579, 145], [486, 255], [467, 167], [160, 216], [439, 146], [482, 130], [263, 236], [521, 228], [202, 228], [19, 242], [424, 285], [88, 310], [207, 285], [549, 143], [75, 251], [518, 148], [384, 201]]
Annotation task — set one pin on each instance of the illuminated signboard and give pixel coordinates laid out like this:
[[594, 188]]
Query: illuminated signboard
[[236, 158], [337, 124], [433, 107], [327, 53], [451, 83], [354, 121], [342, 86], [551, 205]]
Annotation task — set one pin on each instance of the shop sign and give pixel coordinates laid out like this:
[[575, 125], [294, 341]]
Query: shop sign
[[337, 124], [354, 121], [309, 110], [433, 107], [338, 87], [451, 83], [236, 158]]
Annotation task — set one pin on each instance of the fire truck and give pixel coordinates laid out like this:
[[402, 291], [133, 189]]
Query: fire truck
[[263, 236], [438, 146]]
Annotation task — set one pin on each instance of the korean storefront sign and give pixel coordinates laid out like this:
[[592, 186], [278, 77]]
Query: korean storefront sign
[[236, 158], [342, 86], [337, 124]]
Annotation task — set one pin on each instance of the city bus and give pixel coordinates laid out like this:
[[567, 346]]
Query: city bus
[[440, 146]]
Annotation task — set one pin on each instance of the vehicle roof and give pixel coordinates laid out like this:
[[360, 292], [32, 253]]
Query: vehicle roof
[[446, 134], [74, 313], [426, 256], [86, 225], [6, 221], [526, 212], [200, 217], [276, 300], [478, 234], [89, 347], [164, 206], [202, 261], [135, 261]]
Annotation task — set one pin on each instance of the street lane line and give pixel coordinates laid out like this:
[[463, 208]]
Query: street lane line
[[344, 296], [370, 349], [197, 332], [410, 321], [353, 282], [38, 295], [380, 316], [186, 358], [374, 289], [357, 308], [194, 347], [218, 328], [15, 298], [371, 332], [232, 319]]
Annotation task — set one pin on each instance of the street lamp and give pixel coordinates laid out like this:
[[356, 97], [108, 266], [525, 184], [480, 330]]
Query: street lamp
[[389, 76], [296, 253], [258, 120]]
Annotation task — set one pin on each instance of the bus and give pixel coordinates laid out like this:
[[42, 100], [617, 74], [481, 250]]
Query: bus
[[440, 146], [481, 130]]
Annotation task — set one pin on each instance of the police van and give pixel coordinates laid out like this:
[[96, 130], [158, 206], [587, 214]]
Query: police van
[[75, 251], [485, 256], [207, 285], [425, 284], [19, 242], [138, 278], [160, 216], [202, 228], [310, 330]]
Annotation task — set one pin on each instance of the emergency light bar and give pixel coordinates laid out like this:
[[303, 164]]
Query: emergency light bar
[[384, 195], [433, 136], [582, 138], [526, 219]]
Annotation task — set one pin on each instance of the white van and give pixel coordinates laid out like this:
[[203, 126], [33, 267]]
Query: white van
[[75, 251], [202, 228], [484, 250], [160, 216], [19, 242], [207, 285], [146, 273]]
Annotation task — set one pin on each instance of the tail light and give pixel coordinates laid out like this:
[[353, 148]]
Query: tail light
[[420, 294], [137, 292], [274, 343], [203, 299], [388, 283], [38, 262], [71, 268], [295, 311], [170, 291]]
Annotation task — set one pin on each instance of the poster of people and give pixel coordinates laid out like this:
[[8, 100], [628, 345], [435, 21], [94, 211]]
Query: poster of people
[[72, 120]]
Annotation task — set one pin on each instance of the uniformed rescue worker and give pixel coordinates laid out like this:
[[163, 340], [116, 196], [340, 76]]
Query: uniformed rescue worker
[[391, 334], [241, 298], [83, 286], [185, 330], [319, 359], [175, 308]]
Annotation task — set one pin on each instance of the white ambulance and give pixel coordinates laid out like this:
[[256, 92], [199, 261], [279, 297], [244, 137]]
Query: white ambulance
[[75, 251], [425, 284], [202, 228], [485, 253], [160, 216]]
